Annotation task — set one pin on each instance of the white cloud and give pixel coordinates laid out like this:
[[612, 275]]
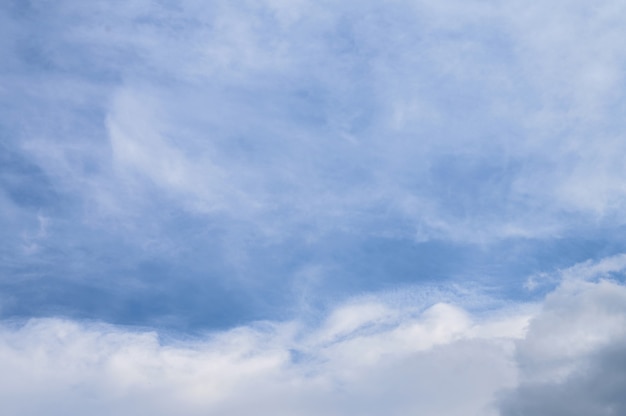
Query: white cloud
[[584, 271], [374, 355], [382, 361]]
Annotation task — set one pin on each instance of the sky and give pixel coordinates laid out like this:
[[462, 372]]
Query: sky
[[312, 207]]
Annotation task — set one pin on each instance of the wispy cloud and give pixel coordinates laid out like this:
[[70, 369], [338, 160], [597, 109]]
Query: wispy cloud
[[402, 107]]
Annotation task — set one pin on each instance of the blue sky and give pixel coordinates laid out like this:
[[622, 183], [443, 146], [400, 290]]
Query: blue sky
[[323, 196]]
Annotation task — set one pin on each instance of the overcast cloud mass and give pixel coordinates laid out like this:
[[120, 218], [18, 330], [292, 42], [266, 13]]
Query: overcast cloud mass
[[312, 207]]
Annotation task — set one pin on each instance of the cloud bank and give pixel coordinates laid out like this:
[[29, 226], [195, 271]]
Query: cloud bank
[[365, 358], [370, 356]]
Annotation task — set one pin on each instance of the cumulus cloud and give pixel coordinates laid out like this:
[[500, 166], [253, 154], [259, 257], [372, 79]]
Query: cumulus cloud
[[571, 360], [369, 356], [595, 389], [366, 358]]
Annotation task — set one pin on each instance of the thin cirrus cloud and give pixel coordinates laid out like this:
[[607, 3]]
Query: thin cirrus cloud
[[376, 108], [370, 208], [212, 151]]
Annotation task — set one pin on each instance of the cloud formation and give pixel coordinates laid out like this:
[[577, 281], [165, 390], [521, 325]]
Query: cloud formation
[[221, 151], [369, 356], [240, 170], [365, 358], [327, 114], [572, 358]]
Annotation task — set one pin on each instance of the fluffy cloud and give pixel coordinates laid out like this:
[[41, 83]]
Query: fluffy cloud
[[571, 360], [366, 358], [595, 388], [370, 356]]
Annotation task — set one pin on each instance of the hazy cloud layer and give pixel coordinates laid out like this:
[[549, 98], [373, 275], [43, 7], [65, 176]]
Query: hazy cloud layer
[[179, 159], [328, 113]]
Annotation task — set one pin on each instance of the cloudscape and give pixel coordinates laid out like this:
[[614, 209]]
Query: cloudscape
[[298, 207]]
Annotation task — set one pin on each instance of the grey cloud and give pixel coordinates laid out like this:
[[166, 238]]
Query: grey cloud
[[573, 359], [595, 388]]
